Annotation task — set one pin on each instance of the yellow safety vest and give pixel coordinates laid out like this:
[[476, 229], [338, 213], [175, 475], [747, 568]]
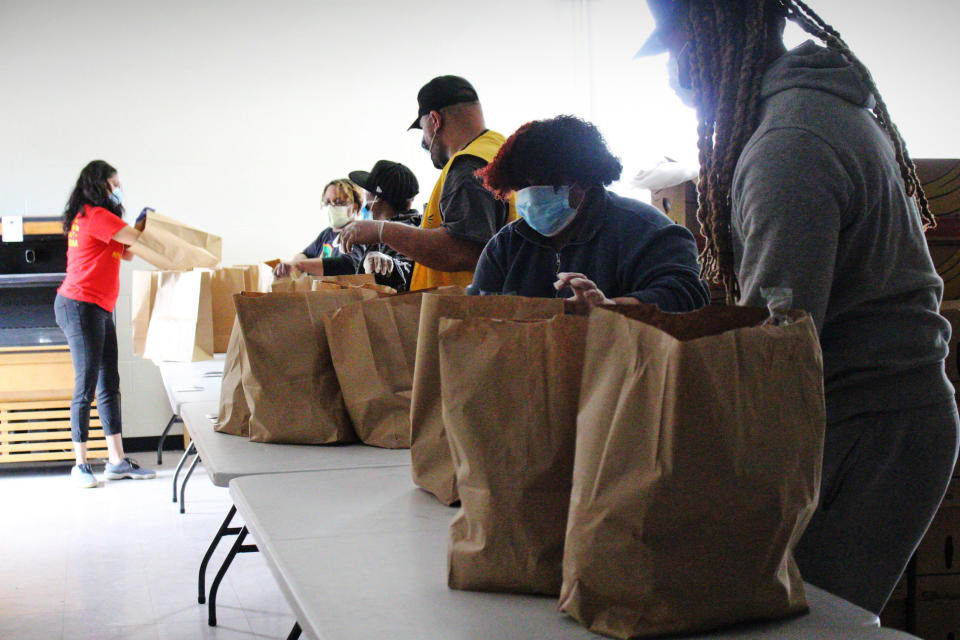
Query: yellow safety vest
[[485, 147]]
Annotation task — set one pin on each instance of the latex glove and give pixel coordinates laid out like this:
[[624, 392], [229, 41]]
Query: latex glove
[[282, 269], [141, 220], [376, 262], [585, 291]]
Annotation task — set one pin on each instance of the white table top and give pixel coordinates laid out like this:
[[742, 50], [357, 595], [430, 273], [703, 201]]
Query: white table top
[[192, 381], [226, 457], [362, 554]]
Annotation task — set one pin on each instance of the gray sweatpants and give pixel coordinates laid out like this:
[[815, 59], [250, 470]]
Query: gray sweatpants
[[884, 475]]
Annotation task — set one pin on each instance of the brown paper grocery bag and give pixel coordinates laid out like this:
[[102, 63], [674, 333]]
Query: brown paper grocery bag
[[349, 278], [251, 277], [225, 282], [374, 346], [432, 466], [510, 393], [290, 385], [142, 296], [697, 468], [297, 281], [325, 284], [170, 244], [181, 325], [381, 290], [233, 415], [263, 278]]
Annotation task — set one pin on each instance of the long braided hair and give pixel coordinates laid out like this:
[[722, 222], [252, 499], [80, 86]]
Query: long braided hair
[[729, 44]]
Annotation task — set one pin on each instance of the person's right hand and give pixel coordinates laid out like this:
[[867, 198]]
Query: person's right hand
[[282, 269], [585, 291]]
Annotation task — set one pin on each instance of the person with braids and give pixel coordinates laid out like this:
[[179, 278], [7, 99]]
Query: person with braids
[[807, 185], [575, 238], [97, 239]]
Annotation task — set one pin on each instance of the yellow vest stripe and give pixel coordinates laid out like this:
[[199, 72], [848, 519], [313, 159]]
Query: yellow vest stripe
[[484, 147]]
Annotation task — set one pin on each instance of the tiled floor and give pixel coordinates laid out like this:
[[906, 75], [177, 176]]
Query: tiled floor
[[120, 561]]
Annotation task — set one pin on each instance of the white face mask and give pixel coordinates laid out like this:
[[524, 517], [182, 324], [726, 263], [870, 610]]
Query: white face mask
[[336, 215], [673, 71]]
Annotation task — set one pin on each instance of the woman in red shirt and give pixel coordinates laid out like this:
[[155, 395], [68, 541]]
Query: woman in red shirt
[[97, 239]]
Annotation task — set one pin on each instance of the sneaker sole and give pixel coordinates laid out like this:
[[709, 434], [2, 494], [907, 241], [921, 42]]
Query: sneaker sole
[[128, 476], [92, 485]]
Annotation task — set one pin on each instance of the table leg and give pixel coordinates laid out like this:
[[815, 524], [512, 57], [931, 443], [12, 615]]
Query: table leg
[[224, 530], [186, 479], [295, 632], [238, 547], [186, 454], [174, 419]]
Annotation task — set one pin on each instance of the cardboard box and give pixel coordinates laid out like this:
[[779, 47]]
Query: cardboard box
[[940, 178], [939, 551], [938, 607], [952, 499], [679, 203], [950, 309]]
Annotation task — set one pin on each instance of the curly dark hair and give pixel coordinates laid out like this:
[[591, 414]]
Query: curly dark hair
[[91, 188], [558, 151]]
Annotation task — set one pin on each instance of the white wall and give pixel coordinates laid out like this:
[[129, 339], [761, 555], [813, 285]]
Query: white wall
[[233, 114]]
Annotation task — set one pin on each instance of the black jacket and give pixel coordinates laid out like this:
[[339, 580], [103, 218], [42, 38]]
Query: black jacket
[[399, 278], [626, 247]]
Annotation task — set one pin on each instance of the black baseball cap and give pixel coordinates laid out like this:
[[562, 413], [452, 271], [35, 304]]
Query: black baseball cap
[[441, 92], [392, 181]]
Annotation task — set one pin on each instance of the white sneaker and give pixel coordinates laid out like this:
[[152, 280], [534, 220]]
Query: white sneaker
[[128, 468], [82, 477]]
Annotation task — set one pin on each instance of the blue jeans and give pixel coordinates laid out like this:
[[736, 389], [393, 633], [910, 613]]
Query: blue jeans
[[92, 337]]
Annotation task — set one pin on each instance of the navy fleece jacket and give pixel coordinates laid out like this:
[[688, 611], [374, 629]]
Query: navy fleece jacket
[[626, 247]]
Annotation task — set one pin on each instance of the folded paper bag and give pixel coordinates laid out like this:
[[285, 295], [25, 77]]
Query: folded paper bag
[[170, 244]]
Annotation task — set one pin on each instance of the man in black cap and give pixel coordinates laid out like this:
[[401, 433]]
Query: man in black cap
[[390, 188], [461, 215]]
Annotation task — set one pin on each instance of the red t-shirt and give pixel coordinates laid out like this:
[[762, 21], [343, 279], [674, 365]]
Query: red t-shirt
[[93, 258]]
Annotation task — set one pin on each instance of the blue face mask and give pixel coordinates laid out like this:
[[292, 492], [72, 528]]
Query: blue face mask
[[117, 196], [365, 212], [546, 209]]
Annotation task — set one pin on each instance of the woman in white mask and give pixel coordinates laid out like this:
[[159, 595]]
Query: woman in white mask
[[576, 239], [342, 200]]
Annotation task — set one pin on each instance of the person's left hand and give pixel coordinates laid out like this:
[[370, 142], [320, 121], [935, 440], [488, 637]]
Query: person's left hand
[[585, 291], [376, 262], [358, 232]]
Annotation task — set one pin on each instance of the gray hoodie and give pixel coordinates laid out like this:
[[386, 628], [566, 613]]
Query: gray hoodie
[[819, 207]]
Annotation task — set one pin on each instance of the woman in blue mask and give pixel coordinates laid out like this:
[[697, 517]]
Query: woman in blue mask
[[575, 239]]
